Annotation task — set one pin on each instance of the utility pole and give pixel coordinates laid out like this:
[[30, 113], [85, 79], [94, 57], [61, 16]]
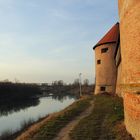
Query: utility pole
[[80, 84]]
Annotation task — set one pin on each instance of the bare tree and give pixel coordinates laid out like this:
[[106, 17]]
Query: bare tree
[[76, 82], [86, 82]]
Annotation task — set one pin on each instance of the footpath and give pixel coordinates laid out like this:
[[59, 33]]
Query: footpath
[[64, 133]]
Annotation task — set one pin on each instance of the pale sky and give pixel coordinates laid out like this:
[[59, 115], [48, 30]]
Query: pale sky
[[47, 40]]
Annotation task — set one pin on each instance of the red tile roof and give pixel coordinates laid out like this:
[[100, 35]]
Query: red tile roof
[[111, 36]]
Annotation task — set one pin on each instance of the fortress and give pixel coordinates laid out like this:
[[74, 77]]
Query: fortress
[[118, 63]]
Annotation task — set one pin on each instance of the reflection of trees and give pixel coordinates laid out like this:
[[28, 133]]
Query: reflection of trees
[[14, 106], [17, 96], [9, 107], [62, 97]]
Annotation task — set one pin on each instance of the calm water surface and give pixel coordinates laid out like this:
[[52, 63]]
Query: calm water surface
[[47, 105]]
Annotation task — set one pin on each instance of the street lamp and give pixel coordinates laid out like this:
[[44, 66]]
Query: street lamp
[[80, 84]]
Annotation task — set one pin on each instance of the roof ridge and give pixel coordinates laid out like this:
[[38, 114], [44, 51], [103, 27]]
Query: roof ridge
[[110, 37]]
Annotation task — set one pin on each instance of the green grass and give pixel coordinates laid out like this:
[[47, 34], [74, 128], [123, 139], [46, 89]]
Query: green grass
[[53, 126], [104, 123]]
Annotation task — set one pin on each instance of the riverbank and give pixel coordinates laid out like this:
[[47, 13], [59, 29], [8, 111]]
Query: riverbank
[[19, 120], [103, 121], [49, 127]]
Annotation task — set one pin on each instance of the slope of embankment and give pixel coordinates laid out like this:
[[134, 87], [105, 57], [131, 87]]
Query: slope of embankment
[[104, 121]]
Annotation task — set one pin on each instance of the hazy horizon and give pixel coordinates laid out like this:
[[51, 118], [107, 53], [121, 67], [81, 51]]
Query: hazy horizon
[[45, 40]]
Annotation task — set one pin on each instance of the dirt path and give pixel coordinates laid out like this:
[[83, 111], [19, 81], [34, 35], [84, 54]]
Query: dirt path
[[64, 133]]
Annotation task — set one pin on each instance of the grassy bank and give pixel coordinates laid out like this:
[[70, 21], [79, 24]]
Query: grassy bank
[[49, 129], [104, 123]]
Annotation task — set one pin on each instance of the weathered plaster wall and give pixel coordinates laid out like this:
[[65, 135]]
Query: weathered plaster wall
[[129, 11], [106, 71]]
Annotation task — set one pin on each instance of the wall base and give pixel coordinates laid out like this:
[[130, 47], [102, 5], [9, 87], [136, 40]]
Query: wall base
[[132, 114], [108, 89]]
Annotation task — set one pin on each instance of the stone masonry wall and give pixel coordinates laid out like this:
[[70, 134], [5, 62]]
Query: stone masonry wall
[[129, 12]]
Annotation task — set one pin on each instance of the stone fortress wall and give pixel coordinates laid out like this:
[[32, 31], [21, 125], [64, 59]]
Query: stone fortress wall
[[129, 13], [119, 70]]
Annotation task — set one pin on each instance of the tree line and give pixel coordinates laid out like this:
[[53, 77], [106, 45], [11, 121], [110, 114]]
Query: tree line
[[18, 91]]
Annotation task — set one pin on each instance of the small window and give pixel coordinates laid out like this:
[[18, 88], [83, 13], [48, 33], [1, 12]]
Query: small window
[[98, 61], [102, 88], [104, 50]]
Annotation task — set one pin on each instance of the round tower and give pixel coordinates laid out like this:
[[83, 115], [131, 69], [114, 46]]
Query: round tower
[[105, 63], [129, 12]]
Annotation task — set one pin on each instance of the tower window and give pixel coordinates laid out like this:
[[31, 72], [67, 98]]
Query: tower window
[[98, 61], [102, 88], [104, 50]]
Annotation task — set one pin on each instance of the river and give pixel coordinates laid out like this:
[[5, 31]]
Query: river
[[12, 119]]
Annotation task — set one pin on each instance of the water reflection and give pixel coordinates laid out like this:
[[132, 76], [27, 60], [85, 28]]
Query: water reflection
[[11, 107], [13, 114], [62, 97]]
